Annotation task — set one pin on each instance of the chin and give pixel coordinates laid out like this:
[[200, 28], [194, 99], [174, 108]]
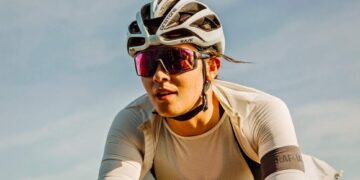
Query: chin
[[167, 112]]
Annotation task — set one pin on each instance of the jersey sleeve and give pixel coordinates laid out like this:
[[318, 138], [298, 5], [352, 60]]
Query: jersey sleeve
[[273, 136], [122, 157]]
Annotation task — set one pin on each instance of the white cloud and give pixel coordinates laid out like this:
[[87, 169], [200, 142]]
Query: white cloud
[[92, 53], [84, 170], [329, 128], [61, 129], [71, 147], [62, 32], [315, 39], [332, 116], [62, 142]]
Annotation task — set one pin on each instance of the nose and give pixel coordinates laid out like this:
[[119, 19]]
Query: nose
[[161, 73]]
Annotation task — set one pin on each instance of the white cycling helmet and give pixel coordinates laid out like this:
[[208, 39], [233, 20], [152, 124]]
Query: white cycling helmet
[[172, 22]]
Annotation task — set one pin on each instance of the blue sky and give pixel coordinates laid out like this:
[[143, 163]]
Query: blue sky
[[65, 73]]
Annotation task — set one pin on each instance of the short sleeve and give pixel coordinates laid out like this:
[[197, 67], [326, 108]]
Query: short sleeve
[[122, 157], [275, 139]]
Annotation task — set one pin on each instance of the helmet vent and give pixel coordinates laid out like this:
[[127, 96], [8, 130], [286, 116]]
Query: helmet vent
[[153, 25], [135, 41], [185, 13], [179, 33], [192, 8], [134, 28], [208, 23], [167, 6], [145, 11], [179, 19]]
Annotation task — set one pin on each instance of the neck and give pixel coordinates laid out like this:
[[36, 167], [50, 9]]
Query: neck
[[200, 123]]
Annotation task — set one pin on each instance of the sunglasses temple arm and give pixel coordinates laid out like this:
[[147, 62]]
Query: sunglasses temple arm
[[203, 56]]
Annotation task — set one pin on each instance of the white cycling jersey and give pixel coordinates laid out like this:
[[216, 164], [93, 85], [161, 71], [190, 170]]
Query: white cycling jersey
[[261, 124], [214, 154]]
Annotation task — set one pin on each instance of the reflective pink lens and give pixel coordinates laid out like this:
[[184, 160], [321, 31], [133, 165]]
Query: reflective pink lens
[[175, 60]]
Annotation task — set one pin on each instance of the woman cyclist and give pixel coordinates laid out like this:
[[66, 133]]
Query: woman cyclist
[[190, 125]]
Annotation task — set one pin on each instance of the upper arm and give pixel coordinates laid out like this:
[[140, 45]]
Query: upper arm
[[276, 141], [123, 149], [283, 163]]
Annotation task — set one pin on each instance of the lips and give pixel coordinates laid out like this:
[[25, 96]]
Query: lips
[[163, 93]]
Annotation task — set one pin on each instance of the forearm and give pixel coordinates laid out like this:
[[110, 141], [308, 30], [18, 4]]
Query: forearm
[[113, 169]]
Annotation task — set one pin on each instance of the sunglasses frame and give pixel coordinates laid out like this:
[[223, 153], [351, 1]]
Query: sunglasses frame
[[196, 55]]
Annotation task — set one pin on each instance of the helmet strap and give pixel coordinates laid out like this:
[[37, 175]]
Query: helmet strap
[[204, 104]]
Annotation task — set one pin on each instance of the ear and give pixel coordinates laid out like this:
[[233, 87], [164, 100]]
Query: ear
[[213, 66]]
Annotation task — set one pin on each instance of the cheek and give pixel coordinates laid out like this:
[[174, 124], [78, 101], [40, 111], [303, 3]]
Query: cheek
[[190, 87], [147, 84]]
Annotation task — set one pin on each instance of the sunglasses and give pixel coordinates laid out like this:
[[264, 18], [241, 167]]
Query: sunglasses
[[174, 60]]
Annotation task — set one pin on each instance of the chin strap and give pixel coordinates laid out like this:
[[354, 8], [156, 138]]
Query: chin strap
[[204, 104]]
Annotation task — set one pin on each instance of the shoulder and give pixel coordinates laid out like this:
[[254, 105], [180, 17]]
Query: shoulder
[[245, 100], [126, 123], [269, 104], [265, 120], [135, 113]]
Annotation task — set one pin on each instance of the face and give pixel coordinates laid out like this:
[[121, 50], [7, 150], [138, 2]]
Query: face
[[173, 95]]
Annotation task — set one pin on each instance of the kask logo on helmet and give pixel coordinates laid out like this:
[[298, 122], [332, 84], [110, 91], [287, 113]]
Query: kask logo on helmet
[[166, 20], [183, 41]]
